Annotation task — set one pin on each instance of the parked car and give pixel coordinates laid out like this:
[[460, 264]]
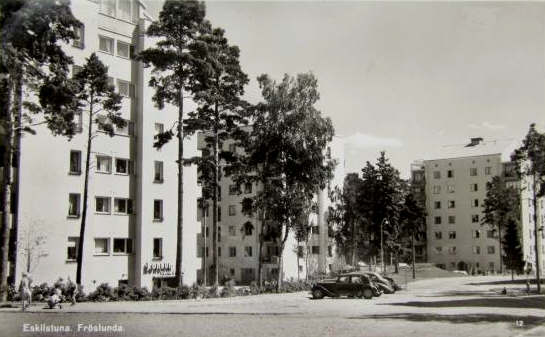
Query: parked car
[[386, 284], [393, 283], [350, 284]]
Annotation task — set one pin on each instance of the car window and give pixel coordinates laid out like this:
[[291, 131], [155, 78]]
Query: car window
[[343, 279], [357, 279]]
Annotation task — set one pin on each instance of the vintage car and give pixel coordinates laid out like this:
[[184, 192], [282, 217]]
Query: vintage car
[[387, 286], [350, 284]]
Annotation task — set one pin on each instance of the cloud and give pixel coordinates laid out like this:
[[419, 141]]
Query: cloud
[[486, 126], [365, 141]]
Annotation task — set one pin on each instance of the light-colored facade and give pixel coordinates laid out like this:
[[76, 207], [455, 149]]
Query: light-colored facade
[[455, 192], [132, 205], [238, 245]]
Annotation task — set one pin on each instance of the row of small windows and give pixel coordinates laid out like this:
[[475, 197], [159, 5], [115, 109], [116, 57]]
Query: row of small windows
[[121, 9], [232, 251], [473, 172], [451, 189], [491, 234], [437, 220], [122, 206], [234, 189], [452, 204], [477, 265], [476, 250], [103, 246], [123, 88]]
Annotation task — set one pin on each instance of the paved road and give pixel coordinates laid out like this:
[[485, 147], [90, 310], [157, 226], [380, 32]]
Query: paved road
[[471, 306]]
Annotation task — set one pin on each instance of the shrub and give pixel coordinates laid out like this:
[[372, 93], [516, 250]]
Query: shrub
[[198, 291], [41, 292], [164, 293], [254, 288], [13, 294], [229, 289], [103, 293]]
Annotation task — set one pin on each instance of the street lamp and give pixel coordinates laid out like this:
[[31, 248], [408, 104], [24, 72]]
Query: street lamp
[[384, 221]]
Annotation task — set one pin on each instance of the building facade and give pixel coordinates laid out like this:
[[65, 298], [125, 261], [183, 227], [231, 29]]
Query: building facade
[[238, 235], [132, 206], [455, 192]]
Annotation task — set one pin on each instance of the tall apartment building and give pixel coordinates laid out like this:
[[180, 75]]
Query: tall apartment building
[[417, 183], [238, 236], [455, 191], [131, 222]]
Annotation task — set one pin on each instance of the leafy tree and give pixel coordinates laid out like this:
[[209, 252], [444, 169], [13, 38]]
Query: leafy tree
[[513, 257], [31, 59], [176, 60], [98, 99], [284, 153], [413, 219], [501, 204], [220, 113], [530, 159], [31, 244]]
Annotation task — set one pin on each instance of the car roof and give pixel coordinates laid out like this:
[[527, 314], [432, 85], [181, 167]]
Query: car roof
[[354, 274]]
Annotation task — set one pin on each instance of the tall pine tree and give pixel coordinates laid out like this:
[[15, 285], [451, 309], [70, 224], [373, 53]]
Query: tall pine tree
[[511, 248]]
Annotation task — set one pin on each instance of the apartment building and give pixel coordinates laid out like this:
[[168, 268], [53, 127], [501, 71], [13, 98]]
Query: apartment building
[[132, 205], [455, 191], [238, 235], [417, 183]]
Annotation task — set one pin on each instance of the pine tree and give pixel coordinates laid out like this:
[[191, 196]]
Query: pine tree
[[413, 219], [511, 248], [98, 99], [177, 60]]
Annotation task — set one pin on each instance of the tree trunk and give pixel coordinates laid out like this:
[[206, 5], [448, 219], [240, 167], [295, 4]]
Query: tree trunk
[[536, 232], [354, 243], [500, 249], [80, 251], [215, 185], [512, 274], [297, 252], [396, 262], [280, 259], [413, 253], [180, 222], [6, 194]]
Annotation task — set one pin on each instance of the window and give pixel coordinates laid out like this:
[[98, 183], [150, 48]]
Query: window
[[106, 44], [102, 246], [438, 250], [111, 82], [79, 40], [487, 171], [248, 251], [315, 250], [452, 235], [219, 234], [102, 205], [124, 8], [450, 189], [475, 218], [124, 88], [158, 210], [491, 234], [316, 230], [232, 210], [123, 49], [122, 206], [436, 189], [450, 174], [78, 122], [122, 246], [233, 189], [157, 248], [329, 251], [452, 250], [248, 188], [437, 204], [219, 193], [475, 203], [451, 219], [232, 251], [125, 130], [158, 172], [232, 271], [491, 266], [474, 187], [300, 251], [73, 205], [476, 234], [107, 7], [473, 171], [476, 250], [248, 228], [219, 213], [232, 231], [159, 128], [122, 166], [72, 248], [491, 249], [451, 204], [104, 164], [436, 174], [437, 220], [75, 162], [438, 235]]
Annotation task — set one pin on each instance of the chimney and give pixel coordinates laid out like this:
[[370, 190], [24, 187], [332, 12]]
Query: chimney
[[475, 141]]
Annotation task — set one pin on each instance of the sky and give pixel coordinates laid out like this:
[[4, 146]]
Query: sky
[[405, 77]]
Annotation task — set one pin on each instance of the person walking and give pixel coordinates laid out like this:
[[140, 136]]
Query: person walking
[[24, 290], [71, 290]]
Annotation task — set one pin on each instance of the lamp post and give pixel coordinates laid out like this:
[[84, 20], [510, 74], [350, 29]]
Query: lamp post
[[384, 221]]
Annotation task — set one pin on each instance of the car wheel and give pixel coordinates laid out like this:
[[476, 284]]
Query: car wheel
[[367, 294], [359, 294], [317, 294]]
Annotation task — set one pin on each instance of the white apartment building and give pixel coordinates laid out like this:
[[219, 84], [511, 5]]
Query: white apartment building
[[132, 205], [239, 238]]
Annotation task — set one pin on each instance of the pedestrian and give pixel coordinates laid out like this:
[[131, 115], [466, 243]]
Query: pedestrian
[[24, 290], [55, 298], [71, 290]]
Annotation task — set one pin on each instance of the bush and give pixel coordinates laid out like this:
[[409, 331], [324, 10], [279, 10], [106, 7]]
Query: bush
[[103, 293], [13, 294], [198, 291], [164, 293], [254, 288], [41, 292], [229, 289]]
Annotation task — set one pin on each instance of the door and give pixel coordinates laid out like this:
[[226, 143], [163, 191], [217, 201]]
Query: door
[[342, 287]]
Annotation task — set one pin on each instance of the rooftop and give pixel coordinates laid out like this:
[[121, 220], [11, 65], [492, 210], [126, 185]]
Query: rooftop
[[477, 147]]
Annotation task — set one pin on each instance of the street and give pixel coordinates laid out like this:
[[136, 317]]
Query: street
[[464, 306]]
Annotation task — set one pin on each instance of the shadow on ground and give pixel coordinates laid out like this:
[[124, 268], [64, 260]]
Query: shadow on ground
[[526, 302], [527, 321], [504, 282]]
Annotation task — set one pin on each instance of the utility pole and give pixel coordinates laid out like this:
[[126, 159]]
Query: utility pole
[[205, 267]]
